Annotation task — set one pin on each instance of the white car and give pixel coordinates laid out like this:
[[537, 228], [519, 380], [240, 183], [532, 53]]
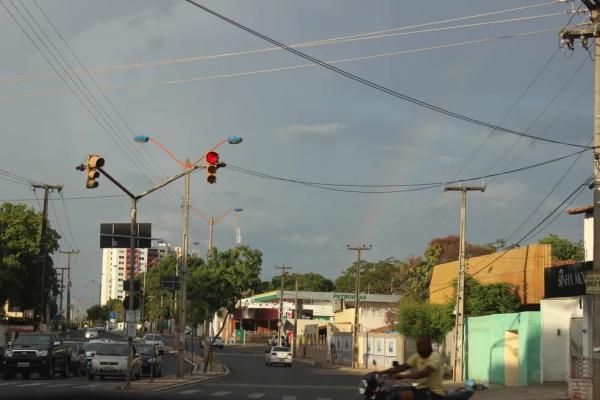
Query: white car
[[218, 342], [91, 333], [278, 355], [155, 339]]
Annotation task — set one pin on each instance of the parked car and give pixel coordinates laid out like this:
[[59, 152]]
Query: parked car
[[91, 333], [152, 361], [152, 338], [78, 365], [278, 355], [218, 342], [111, 360], [90, 350], [43, 353]]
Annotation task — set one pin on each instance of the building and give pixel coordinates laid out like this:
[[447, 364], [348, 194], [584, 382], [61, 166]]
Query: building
[[115, 268]]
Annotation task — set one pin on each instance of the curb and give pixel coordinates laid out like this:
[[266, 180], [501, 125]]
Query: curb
[[191, 382]]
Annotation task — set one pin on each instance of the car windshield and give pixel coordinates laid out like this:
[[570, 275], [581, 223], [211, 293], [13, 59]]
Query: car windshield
[[112, 349], [34, 339], [281, 349], [153, 337], [92, 346], [145, 349]]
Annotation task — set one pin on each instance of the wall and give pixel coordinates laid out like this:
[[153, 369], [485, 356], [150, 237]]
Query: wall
[[369, 317], [588, 236], [522, 267], [556, 336], [486, 347]]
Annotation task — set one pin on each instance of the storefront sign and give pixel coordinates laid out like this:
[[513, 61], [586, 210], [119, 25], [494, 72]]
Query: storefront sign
[[566, 280], [348, 296], [592, 282]]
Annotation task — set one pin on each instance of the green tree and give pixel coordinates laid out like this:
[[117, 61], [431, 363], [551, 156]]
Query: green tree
[[564, 249], [416, 319], [310, 281], [98, 313], [116, 305], [486, 299], [415, 277], [375, 277], [20, 259]]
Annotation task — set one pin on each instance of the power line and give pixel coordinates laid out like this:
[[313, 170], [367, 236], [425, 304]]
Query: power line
[[69, 198], [376, 86], [68, 222]]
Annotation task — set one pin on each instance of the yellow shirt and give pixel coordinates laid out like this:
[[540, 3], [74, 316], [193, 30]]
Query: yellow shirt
[[432, 382]]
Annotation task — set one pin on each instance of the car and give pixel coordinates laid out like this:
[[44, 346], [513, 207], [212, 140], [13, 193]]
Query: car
[[78, 364], [278, 355], [41, 352], [218, 342], [91, 333], [103, 340], [152, 338], [90, 350], [152, 362], [111, 360]]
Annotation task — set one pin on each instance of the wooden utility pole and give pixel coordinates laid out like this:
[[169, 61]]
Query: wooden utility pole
[[587, 34], [459, 326], [44, 311], [359, 250], [69, 253], [283, 269]]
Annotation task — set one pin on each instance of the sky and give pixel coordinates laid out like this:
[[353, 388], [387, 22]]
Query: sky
[[174, 72]]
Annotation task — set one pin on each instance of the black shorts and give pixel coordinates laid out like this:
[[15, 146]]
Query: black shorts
[[426, 394]]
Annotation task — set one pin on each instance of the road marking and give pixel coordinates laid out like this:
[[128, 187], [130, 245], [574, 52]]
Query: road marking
[[255, 395], [220, 393], [323, 398], [191, 391], [289, 397], [7, 383], [33, 384], [86, 386], [62, 385]]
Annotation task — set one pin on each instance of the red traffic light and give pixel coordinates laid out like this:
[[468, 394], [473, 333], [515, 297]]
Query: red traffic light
[[212, 157]]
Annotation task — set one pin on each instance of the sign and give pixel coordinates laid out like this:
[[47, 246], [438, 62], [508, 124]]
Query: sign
[[348, 296], [240, 336], [592, 282], [170, 282], [113, 315], [132, 316], [136, 302], [119, 236], [566, 280], [131, 331]]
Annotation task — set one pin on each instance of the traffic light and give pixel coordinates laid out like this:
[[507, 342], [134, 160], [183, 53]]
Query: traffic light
[[93, 163], [212, 164]]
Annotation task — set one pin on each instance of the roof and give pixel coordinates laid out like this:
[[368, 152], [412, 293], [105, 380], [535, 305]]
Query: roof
[[323, 296], [384, 329], [580, 210]]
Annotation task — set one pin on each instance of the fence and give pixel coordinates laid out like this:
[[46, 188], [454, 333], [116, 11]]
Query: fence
[[582, 367]]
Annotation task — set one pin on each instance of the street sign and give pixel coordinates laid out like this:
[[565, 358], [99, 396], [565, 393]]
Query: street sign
[[170, 282], [131, 330], [592, 282], [133, 316], [113, 315], [119, 236]]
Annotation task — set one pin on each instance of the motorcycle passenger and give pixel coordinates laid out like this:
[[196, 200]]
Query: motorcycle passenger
[[426, 368]]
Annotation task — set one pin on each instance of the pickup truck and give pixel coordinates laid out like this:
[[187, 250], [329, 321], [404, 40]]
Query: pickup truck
[[41, 352]]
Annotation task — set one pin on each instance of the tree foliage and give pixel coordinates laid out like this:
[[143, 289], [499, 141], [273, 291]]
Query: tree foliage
[[20, 259], [416, 319], [98, 313], [310, 281], [445, 249], [375, 277], [486, 299], [564, 249]]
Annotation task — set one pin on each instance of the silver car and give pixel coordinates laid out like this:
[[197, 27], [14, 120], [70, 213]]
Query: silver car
[[111, 360], [155, 339]]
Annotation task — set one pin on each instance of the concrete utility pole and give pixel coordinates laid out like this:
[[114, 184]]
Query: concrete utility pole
[[283, 269], [568, 36], [62, 287], [211, 224], [69, 253], [183, 272], [44, 311], [295, 321], [459, 326], [359, 250]]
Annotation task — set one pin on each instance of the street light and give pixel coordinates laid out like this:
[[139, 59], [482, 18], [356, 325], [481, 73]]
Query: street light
[[181, 268], [211, 222]]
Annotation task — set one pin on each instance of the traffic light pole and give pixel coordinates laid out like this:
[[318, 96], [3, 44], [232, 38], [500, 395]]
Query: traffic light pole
[[183, 272]]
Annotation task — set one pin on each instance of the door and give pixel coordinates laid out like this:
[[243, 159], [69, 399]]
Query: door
[[511, 358]]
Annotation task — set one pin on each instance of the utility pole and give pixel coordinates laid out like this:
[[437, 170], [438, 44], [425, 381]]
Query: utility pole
[[211, 224], [238, 230], [44, 311], [62, 287], [359, 250], [283, 269], [183, 272], [459, 326], [568, 35], [69, 253], [295, 321]]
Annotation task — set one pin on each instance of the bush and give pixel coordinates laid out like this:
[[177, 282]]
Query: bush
[[416, 319]]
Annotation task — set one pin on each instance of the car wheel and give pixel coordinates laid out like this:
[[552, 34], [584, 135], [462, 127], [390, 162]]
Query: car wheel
[[159, 373], [8, 374], [91, 377], [101, 377], [75, 371], [26, 374], [49, 373], [65, 371]]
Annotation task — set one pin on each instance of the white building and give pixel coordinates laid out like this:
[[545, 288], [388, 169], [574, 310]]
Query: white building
[[115, 268]]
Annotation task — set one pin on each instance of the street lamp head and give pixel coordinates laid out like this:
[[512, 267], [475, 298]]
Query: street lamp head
[[141, 138], [234, 140], [238, 209]]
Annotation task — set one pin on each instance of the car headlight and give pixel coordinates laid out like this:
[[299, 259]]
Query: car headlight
[[42, 353], [8, 353]]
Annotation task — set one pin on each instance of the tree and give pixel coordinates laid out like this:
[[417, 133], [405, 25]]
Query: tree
[[310, 281], [417, 319], [20, 259], [445, 249], [115, 305], [97, 313], [375, 277], [486, 299], [414, 279], [564, 249]]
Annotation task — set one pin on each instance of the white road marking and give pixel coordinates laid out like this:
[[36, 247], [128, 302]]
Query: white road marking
[[323, 398], [62, 385], [255, 395], [289, 397], [220, 393], [33, 384], [7, 383], [86, 386], [191, 391]]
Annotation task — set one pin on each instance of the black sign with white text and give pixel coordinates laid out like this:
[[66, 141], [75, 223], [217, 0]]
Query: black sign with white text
[[566, 280]]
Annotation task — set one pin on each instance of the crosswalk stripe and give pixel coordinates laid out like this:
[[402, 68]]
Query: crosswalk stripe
[[220, 393], [289, 397], [255, 395], [191, 391], [32, 384]]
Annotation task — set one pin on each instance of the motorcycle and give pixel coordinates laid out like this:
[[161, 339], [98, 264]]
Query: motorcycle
[[373, 387]]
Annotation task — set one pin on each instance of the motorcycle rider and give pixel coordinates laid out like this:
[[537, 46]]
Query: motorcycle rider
[[426, 367]]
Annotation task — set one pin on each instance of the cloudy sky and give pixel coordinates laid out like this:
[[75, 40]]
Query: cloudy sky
[[176, 73]]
